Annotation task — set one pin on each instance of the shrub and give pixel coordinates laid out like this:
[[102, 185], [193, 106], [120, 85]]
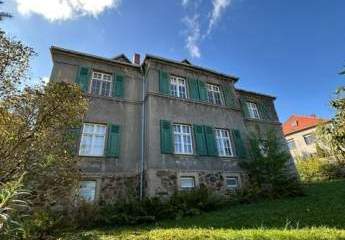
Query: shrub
[[315, 168], [14, 206], [150, 210]]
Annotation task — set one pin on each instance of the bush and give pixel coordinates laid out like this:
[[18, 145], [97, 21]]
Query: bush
[[315, 168], [150, 210]]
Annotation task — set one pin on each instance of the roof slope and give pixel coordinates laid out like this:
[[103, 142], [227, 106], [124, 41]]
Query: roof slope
[[297, 123]]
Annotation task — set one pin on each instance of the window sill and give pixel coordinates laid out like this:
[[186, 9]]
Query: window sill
[[189, 100], [96, 156], [116, 99], [262, 121]]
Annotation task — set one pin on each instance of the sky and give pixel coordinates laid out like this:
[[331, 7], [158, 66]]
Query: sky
[[291, 49]]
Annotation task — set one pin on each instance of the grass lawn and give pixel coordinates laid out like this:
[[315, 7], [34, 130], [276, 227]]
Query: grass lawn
[[319, 215]]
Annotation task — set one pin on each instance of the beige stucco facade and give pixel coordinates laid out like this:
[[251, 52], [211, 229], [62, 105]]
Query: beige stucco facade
[[300, 148]]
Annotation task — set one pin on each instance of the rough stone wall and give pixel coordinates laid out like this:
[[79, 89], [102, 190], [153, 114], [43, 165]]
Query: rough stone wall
[[164, 183], [118, 187]]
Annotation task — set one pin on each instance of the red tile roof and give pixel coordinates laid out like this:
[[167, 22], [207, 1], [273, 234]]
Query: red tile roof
[[297, 123]]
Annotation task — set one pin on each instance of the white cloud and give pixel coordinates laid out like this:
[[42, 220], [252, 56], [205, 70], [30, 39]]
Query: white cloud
[[218, 8], [198, 28], [60, 10], [193, 35]]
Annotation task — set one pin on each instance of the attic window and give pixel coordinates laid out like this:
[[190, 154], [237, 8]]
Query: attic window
[[294, 124]]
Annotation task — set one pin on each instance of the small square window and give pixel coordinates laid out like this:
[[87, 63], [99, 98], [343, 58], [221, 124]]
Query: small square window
[[291, 144], [232, 182], [187, 183], [309, 138], [87, 190]]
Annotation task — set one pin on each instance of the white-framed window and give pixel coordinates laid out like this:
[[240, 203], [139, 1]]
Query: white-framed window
[[253, 110], [187, 182], [223, 140], [92, 139], [309, 138], [291, 144], [101, 84], [178, 87], [263, 146], [182, 139], [214, 94], [87, 190], [232, 182]]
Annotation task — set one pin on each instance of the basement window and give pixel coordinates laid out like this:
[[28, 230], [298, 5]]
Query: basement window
[[187, 182], [232, 182], [87, 190]]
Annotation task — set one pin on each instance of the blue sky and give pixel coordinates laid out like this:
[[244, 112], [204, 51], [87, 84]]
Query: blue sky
[[291, 49]]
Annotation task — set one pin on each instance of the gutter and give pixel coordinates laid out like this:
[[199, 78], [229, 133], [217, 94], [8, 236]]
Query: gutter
[[142, 147]]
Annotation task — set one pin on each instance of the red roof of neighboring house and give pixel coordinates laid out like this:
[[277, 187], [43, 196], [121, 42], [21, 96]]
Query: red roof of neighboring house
[[297, 123]]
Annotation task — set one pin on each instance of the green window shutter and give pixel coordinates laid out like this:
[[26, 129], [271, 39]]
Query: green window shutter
[[72, 139], [239, 145], [210, 141], [202, 91], [166, 137], [164, 82], [83, 78], [200, 140], [193, 89], [264, 114], [244, 107], [118, 85], [113, 141], [230, 99]]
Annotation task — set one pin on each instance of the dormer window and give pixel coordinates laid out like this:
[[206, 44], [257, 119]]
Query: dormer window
[[294, 123]]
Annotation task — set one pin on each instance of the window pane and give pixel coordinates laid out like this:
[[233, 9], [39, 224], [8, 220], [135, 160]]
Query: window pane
[[101, 84], [96, 86], [187, 182], [182, 139], [105, 89], [232, 182], [92, 140], [87, 190]]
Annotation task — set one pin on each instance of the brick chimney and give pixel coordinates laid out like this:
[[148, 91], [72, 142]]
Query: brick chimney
[[136, 58]]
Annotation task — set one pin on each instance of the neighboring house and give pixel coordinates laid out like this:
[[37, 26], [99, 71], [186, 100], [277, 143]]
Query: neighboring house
[[300, 135], [161, 126]]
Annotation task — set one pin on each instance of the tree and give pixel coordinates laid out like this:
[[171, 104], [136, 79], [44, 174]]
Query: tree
[[37, 132], [268, 168], [331, 135]]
